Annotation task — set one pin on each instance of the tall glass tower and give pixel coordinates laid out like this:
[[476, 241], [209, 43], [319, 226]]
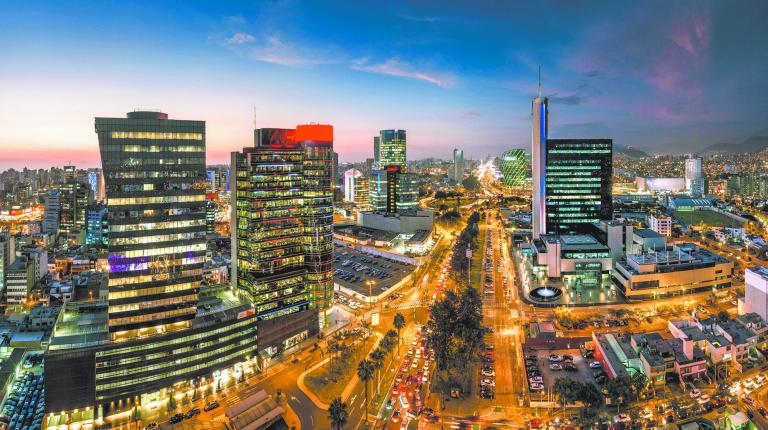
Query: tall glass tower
[[282, 231], [578, 183], [514, 168], [392, 149], [539, 164], [154, 173]]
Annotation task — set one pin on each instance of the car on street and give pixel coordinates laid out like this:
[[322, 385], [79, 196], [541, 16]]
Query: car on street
[[211, 406], [555, 366], [536, 386], [748, 400], [555, 358], [396, 416], [535, 379], [646, 414], [621, 418], [488, 372], [192, 413], [488, 382], [151, 426], [177, 418], [694, 393], [762, 412], [704, 398], [595, 365]]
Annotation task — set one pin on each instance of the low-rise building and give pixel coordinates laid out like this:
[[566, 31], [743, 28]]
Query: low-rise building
[[660, 223], [683, 269], [647, 240]]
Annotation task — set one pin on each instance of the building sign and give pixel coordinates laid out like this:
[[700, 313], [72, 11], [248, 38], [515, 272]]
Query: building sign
[[593, 265], [246, 313]]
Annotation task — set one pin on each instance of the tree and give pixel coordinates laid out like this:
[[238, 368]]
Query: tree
[[591, 395], [337, 413], [399, 323], [619, 389], [471, 183], [639, 383], [377, 359], [365, 372], [723, 316], [567, 389]]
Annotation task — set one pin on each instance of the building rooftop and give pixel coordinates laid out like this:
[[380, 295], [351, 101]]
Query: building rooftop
[[760, 271], [576, 242], [647, 233], [739, 333]]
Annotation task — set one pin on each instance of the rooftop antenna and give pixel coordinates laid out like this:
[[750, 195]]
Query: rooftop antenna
[[539, 80]]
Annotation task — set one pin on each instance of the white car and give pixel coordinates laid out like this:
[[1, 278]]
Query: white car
[[703, 399], [621, 418], [595, 365], [488, 382], [555, 358], [535, 380], [695, 393], [537, 387], [489, 373], [555, 366], [404, 402]]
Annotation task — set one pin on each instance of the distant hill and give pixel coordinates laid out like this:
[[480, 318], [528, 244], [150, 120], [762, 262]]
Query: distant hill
[[628, 151], [751, 145]]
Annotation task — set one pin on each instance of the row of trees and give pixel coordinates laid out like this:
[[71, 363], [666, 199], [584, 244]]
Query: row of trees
[[338, 413], [456, 335], [467, 239], [375, 361]]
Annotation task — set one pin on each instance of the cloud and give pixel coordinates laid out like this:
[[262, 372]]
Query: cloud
[[273, 49], [240, 38], [402, 69]]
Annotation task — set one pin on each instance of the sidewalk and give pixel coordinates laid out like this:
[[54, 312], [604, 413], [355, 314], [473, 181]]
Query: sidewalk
[[347, 389]]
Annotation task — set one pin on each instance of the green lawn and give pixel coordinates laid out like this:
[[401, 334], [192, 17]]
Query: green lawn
[[710, 218]]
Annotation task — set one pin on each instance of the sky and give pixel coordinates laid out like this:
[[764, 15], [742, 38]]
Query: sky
[[657, 75]]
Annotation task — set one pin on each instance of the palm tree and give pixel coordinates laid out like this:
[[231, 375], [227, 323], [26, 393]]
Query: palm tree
[[337, 413], [365, 372], [399, 323], [377, 359]]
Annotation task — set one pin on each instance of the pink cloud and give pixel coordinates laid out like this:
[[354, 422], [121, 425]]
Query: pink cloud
[[402, 69]]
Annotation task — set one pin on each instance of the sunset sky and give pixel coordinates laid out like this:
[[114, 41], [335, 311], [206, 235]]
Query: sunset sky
[[662, 76]]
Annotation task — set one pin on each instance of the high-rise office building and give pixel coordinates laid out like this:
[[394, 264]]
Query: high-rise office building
[[539, 164], [52, 212], [456, 172], [514, 168], [97, 225], [578, 183], [393, 190], [389, 149], [351, 180], [154, 171], [282, 231], [694, 181]]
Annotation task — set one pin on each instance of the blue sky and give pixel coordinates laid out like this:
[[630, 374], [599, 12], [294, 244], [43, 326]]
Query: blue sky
[[662, 76]]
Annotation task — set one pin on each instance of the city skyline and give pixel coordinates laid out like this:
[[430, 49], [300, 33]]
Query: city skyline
[[455, 75]]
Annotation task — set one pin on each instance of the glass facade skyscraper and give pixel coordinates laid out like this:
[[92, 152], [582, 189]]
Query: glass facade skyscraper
[[391, 149], [514, 168], [578, 183], [282, 231], [154, 173], [392, 190]]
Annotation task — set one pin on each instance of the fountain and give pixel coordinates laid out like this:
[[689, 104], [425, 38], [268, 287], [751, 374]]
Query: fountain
[[545, 294]]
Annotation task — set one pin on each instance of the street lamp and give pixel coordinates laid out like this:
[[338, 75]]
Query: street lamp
[[370, 283]]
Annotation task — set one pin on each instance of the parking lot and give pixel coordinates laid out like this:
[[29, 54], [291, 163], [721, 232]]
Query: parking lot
[[352, 268], [23, 408], [544, 367]]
